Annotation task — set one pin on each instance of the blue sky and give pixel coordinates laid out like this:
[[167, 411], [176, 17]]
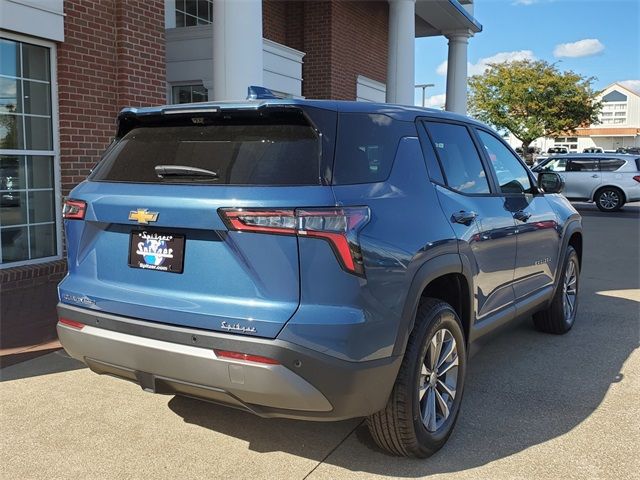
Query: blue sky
[[597, 38]]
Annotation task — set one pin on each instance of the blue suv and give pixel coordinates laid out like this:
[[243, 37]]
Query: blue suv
[[315, 260]]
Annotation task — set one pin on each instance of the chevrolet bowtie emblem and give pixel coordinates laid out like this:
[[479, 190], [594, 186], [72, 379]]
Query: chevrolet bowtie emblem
[[143, 216]]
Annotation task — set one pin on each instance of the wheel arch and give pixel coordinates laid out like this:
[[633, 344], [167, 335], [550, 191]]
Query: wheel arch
[[446, 277], [572, 236], [609, 185], [575, 240]]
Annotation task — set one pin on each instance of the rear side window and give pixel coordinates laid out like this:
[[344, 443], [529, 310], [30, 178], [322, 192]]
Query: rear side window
[[366, 147], [611, 164], [260, 151], [458, 157], [582, 165]]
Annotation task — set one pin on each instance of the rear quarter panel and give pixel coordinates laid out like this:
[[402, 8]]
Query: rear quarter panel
[[622, 180], [569, 222], [356, 318]]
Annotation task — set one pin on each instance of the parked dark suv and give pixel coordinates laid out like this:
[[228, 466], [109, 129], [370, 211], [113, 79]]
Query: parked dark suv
[[312, 259]]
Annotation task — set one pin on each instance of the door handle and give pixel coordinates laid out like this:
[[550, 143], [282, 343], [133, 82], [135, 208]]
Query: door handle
[[522, 216], [463, 217], [595, 175]]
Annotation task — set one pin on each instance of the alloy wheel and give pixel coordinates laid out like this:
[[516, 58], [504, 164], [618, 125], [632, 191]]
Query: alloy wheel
[[570, 291], [609, 199], [438, 380]]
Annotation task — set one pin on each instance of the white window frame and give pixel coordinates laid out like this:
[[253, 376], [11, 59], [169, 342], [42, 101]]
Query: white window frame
[[55, 153], [196, 16], [194, 83]]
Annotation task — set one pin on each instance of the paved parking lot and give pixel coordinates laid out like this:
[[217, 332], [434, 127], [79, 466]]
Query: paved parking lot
[[536, 406]]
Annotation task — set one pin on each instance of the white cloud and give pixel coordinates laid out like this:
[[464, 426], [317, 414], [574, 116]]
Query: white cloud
[[502, 57], [526, 3], [581, 48], [633, 85], [442, 69], [436, 101], [481, 65]]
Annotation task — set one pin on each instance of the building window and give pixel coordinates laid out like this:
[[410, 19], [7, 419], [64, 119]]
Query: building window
[[28, 213], [193, 12], [189, 94]]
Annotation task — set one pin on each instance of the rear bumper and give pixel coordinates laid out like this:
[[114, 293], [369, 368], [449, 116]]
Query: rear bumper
[[177, 360]]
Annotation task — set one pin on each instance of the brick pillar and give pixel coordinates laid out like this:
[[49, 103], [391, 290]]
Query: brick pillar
[[341, 40], [140, 52], [317, 67], [112, 57]]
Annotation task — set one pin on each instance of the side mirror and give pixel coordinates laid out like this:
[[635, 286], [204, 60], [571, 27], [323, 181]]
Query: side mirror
[[550, 182]]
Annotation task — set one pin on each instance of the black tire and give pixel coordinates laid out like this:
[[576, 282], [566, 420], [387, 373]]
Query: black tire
[[399, 428], [609, 199], [555, 319]]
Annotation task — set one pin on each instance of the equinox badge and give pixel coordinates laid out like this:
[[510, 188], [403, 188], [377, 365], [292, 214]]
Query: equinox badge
[[143, 216]]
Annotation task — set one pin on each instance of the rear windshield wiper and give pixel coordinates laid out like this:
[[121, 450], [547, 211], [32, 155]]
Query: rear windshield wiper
[[183, 171]]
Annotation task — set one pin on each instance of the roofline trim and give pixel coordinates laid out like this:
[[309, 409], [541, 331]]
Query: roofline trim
[[458, 6]]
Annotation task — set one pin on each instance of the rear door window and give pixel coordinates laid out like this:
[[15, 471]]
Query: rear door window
[[583, 165], [459, 158], [610, 164], [258, 151]]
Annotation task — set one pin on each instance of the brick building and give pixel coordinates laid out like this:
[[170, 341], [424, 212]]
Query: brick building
[[68, 66]]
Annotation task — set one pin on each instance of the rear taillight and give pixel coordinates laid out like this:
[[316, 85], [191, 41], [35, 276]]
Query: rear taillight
[[637, 178], [337, 225], [74, 209], [245, 357], [71, 323]]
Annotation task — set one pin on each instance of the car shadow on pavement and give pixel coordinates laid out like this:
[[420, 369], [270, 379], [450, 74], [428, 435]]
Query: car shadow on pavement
[[523, 388], [629, 210], [48, 361]]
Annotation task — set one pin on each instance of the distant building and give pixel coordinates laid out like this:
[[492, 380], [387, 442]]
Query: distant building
[[618, 125]]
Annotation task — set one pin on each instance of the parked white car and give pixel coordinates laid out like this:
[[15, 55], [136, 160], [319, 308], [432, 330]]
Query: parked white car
[[609, 180]]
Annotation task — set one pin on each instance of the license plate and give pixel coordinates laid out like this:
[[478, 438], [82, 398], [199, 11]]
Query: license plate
[[160, 251]]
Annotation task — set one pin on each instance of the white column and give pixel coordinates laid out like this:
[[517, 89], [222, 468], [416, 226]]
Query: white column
[[457, 73], [400, 62], [237, 48]]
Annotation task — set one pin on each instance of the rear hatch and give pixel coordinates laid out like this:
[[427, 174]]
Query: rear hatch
[[151, 242]]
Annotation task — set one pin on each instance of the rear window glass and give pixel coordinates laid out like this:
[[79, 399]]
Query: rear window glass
[[366, 147], [611, 165], [257, 152]]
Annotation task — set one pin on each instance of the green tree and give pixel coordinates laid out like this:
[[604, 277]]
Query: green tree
[[533, 99]]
